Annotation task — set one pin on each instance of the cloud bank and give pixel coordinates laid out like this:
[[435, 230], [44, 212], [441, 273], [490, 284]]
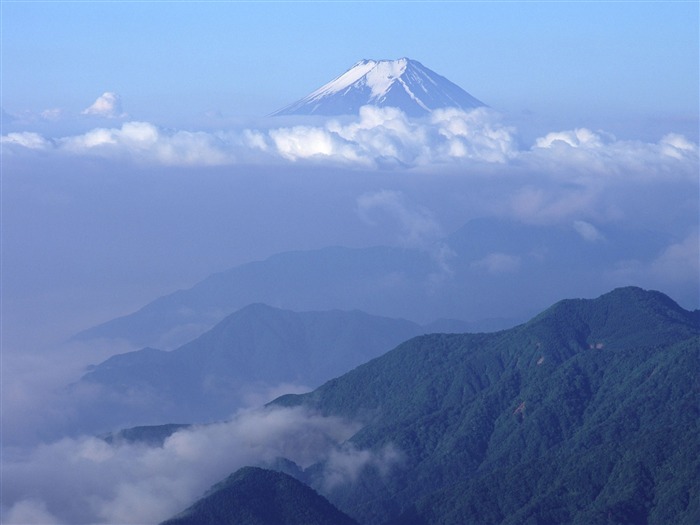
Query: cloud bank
[[87, 480], [144, 142], [383, 138]]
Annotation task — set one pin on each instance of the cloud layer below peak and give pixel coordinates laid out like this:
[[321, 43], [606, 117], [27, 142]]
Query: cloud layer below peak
[[88, 480], [382, 138]]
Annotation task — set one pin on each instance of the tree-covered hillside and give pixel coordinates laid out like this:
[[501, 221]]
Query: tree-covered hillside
[[255, 496], [589, 413]]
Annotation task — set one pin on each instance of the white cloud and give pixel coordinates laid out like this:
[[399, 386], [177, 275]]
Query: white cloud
[[474, 135], [379, 137], [386, 138], [678, 147], [86, 480], [418, 227], [30, 511], [145, 142], [255, 139], [345, 464], [550, 202], [52, 114], [587, 231], [26, 139], [577, 138], [303, 142], [583, 152], [107, 105]]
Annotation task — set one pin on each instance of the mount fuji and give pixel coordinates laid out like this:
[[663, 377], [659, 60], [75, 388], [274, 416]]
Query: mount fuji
[[404, 83]]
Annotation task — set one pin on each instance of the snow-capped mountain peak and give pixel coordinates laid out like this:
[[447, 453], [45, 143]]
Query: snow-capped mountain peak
[[403, 83]]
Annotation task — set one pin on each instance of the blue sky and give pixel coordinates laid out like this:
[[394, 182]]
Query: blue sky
[[172, 63]]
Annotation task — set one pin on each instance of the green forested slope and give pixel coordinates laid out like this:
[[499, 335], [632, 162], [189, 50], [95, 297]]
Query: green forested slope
[[586, 414], [255, 496]]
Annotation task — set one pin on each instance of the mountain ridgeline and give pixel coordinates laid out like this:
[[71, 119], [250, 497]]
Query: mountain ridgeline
[[254, 350], [487, 270], [586, 414], [255, 496]]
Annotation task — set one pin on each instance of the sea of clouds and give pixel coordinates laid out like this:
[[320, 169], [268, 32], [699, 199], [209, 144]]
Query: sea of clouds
[[451, 164], [88, 480], [377, 138]]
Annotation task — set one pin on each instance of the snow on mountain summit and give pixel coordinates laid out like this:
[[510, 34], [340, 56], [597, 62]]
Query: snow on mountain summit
[[404, 83]]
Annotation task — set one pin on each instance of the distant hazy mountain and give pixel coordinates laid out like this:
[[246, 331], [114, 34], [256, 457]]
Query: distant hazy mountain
[[250, 352], [404, 83], [326, 279], [586, 414], [152, 435], [255, 496], [490, 272]]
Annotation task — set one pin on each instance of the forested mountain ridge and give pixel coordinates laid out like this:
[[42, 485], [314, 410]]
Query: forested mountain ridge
[[588, 413], [255, 496]]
